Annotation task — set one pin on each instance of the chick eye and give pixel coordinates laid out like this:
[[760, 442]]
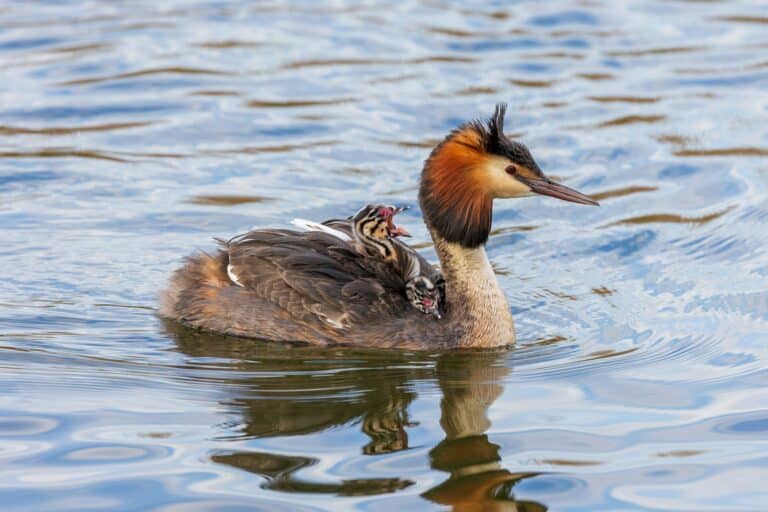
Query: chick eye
[[511, 169]]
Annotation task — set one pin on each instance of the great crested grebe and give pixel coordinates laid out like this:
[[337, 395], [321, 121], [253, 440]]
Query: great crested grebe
[[311, 287]]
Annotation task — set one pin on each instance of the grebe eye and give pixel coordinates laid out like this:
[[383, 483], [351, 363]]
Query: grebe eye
[[511, 169]]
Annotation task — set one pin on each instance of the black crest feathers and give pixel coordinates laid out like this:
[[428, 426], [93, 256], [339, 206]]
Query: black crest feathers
[[496, 123], [492, 131]]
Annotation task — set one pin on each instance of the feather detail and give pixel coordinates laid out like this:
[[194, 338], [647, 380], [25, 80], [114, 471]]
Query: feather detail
[[232, 276], [308, 225]]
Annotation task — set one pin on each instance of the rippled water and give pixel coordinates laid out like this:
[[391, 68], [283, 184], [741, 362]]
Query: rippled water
[[131, 133]]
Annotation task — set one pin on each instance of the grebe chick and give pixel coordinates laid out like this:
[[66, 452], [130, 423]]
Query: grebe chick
[[374, 233], [374, 230], [424, 295]]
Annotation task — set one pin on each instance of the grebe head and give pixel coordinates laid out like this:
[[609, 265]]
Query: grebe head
[[475, 164], [373, 228], [423, 295]]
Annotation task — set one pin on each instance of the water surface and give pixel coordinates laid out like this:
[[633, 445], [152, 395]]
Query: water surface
[[131, 133]]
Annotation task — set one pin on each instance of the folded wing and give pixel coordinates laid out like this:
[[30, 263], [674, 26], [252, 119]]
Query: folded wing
[[316, 276]]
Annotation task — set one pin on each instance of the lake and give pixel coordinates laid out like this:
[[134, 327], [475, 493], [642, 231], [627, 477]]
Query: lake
[[131, 133]]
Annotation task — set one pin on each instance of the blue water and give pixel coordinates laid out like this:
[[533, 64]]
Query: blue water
[[131, 133]]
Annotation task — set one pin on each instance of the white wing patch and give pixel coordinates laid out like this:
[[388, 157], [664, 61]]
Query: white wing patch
[[414, 266], [308, 225], [232, 276]]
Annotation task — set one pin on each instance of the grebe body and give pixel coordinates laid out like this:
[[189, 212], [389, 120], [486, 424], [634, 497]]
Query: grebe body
[[313, 287]]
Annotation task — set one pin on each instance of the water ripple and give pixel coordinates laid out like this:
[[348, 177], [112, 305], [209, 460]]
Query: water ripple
[[134, 132]]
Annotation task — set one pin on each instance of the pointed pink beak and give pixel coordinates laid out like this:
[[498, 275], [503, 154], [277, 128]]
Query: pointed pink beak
[[395, 231], [399, 231]]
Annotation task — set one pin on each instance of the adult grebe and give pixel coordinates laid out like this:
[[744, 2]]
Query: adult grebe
[[310, 287]]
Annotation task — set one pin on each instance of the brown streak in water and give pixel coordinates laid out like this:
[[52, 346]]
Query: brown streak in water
[[622, 99], [654, 51], [370, 62], [471, 91], [554, 55], [561, 295], [582, 33], [297, 103], [605, 354], [156, 435], [677, 140], [680, 453], [152, 155], [499, 270], [533, 83], [66, 130], [283, 148], [596, 77], [71, 22], [512, 229], [672, 218], [215, 93], [603, 291], [214, 200], [429, 143], [147, 72], [568, 462], [498, 15], [620, 192], [706, 71], [739, 151], [441, 58], [312, 117], [62, 153], [452, 32], [332, 62], [549, 341], [744, 19], [554, 104], [393, 79], [147, 24], [82, 48], [624, 120], [122, 306], [222, 45]]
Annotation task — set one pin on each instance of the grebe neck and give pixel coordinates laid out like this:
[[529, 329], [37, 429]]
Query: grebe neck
[[473, 295]]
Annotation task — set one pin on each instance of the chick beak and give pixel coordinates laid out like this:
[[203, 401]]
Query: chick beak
[[395, 231], [546, 187], [398, 231]]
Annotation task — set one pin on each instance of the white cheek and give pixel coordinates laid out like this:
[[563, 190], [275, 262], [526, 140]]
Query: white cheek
[[501, 184]]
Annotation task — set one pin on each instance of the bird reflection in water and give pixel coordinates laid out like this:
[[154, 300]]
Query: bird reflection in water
[[470, 383], [289, 391]]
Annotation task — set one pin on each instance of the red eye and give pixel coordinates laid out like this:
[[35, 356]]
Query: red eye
[[511, 169]]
